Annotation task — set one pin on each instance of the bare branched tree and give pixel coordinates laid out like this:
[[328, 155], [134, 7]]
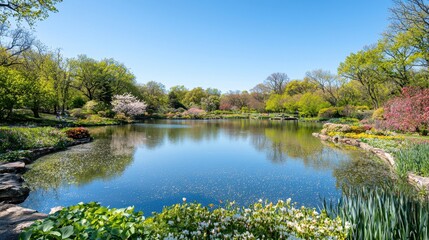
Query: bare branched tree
[[277, 82], [327, 82], [12, 44]]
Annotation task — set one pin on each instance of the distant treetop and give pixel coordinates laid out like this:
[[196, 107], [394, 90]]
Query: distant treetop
[[29, 10]]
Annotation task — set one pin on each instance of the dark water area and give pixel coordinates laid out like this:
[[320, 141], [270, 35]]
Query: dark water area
[[158, 163]]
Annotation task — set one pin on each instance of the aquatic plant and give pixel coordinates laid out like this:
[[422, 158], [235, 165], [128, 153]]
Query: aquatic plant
[[381, 214], [413, 157]]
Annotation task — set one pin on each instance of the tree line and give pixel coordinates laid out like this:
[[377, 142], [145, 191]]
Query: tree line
[[35, 77]]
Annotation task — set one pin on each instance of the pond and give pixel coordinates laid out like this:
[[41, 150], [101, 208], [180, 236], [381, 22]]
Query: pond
[[153, 164]]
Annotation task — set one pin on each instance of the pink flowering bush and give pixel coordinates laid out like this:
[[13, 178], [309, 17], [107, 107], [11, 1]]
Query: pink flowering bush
[[128, 105], [409, 112]]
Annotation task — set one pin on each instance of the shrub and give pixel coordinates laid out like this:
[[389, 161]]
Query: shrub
[[362, 108], [107, 113], [78, 113], [90, 106], [77, 102], [409, 112], [413, 157], [122, 117], [77, 133], [331, 112], [94, 120], [194, 113], [378, 114], [189, 221]]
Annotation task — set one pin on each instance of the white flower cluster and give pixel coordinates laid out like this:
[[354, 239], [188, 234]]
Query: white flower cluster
[[128, 105], [261, 220]]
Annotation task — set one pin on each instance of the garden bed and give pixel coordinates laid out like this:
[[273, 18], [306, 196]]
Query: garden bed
[[359, 136]]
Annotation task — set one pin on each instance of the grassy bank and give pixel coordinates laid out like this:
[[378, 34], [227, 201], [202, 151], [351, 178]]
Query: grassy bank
[[16, 142], [411, 154]]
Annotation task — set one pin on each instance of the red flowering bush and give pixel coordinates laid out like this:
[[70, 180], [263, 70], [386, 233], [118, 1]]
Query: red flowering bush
[[409, 112], [77, 133]]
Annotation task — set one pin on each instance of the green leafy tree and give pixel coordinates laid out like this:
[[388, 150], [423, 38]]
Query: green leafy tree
[[39, 89], [176, 96], [274, 103], [210, 103], [365, 67], [300, 87], [29, 10], [11, 88], [194, 96], [155, 96], [311, 103]]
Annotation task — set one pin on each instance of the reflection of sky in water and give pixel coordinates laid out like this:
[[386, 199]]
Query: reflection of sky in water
[[205, 162]]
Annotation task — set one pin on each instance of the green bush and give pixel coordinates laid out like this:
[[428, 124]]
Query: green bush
[[21, 138], [189, 221], [331, 112], [78, 113], [413, 157], [378, 114], [362, 108]]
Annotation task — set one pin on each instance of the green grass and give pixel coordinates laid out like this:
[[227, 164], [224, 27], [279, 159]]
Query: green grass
[[15, 140]]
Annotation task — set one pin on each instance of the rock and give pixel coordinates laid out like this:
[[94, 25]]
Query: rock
[[12, 167], [13, 219], [55, 209], [12, 189]]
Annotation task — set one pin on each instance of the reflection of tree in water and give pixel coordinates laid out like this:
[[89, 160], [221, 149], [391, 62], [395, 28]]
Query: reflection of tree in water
[[79, 165], [112, 151], [362, 170]]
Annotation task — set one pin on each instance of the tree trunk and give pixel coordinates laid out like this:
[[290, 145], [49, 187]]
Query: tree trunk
[[35, 112]]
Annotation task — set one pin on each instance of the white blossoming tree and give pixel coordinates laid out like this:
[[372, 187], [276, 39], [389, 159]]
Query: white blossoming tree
[[128, 105]]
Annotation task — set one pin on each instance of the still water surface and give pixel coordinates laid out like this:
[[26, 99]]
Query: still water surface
[[158, 163]]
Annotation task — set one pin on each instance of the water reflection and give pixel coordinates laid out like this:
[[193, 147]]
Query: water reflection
[[157, 163]]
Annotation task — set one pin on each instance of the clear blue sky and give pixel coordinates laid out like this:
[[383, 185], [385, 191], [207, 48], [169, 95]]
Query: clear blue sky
[[225, 44]]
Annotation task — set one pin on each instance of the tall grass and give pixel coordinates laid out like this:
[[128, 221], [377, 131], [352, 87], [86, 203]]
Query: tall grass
[[414, 157], [382, 214]]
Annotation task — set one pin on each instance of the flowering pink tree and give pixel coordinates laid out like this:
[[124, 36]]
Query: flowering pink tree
[[409, 112], [128, 105]]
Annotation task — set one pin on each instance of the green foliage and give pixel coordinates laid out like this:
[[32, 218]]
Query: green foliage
[[11, 88], [77, 102], [331, 112], [310, 104], [95, 120], [385, 144], [273, 103], [29, 10], [382, 214], [189, 221], [78, 113], [20, 138], [378, 114], [413, 157], [89, 221]]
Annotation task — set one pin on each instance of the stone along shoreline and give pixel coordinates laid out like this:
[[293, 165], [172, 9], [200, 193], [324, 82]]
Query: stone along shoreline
[[13, 191]]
